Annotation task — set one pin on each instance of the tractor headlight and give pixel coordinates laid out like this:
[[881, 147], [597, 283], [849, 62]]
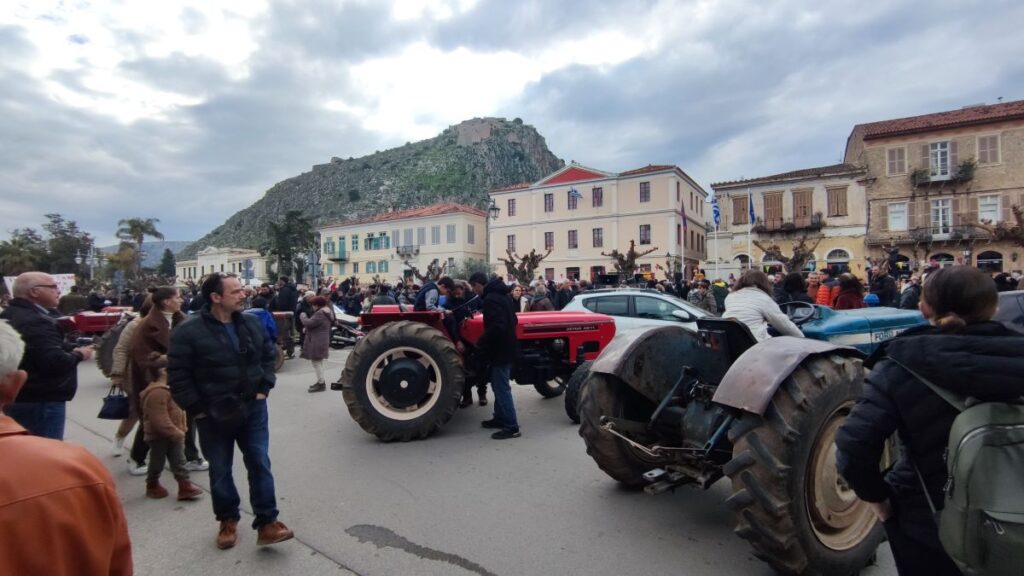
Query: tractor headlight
[[558, 345]]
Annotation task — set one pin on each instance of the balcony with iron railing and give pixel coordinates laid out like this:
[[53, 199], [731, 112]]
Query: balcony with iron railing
[[927, 235], [408, 250], [772, 225]]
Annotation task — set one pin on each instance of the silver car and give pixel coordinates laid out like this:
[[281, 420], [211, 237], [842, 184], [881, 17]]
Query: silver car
[[636, 308]]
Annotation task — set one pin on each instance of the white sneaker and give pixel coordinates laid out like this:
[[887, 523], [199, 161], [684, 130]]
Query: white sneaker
[[118, 447], [197, 465], [136, 469]]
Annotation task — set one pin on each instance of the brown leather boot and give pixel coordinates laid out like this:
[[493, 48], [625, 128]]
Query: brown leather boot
[[188, 491], [273, 533], [228, 535], [155, 490]]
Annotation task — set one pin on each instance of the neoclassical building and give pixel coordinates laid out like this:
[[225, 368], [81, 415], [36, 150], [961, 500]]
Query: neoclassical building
[[827, 202], [579, 212]]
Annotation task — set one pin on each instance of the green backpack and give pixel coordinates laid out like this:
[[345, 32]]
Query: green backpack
[[981, 526]]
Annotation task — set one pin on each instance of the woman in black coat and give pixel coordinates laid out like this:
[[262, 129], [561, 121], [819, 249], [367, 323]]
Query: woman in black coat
[[962, 351], [794, 289]]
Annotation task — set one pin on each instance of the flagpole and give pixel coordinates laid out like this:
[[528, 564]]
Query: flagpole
[[718, 275], [750, 228]]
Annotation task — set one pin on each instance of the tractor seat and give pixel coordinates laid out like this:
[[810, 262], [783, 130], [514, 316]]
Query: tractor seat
[[737, 335]]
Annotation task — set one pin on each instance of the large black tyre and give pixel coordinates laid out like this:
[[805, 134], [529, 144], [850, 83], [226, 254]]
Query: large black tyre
[[572, 390], [605, 395], [278, 358], [403, 381], [552, 388], [789, 501]]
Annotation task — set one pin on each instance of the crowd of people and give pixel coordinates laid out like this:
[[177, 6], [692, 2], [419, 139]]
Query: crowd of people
[[200, 362]]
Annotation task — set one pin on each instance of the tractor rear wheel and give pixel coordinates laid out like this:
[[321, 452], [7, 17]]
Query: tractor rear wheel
[[790, 502], [403, 381], [606, 395], [278, 358], [572, 390]]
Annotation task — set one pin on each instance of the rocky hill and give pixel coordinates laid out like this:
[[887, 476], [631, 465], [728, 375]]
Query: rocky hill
[[459, 165]]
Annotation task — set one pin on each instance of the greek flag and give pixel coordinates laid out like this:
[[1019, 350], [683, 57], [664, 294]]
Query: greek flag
[[574, 193], [750, 199], [716, 211]]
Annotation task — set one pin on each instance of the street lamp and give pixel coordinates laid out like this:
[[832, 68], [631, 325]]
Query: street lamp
[[93, 258], [493, 210], [967, 256]]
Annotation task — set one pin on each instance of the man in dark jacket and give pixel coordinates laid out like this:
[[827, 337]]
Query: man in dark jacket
[[72, 302], [220, 369], [565, 295], [499, 346], [981, 360], [911, 294], [428, 297], [51, 363], [287, 295], [884, 286]]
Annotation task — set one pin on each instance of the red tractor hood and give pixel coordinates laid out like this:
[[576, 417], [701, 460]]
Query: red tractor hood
[[576, 326]]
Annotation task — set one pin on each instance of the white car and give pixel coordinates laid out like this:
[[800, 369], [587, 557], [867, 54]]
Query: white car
[[637, 308]]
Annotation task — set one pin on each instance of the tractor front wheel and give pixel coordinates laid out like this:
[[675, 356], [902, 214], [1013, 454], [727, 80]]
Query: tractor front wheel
[[552, 388], [605, 395], [790, 502], [403, 381], [572, 390]]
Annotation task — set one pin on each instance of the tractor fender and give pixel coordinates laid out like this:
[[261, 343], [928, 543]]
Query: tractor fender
[[753, 378], [648, 359]]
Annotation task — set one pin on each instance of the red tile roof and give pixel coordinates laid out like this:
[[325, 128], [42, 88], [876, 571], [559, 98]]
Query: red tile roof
[[967, 116], [423, 211], [648, 169], [821, 171]]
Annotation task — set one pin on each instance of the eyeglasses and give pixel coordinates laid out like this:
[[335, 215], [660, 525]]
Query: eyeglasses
[[50, 286]]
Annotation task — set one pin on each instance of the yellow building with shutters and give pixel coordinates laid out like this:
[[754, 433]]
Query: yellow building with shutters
[[389, 244], [929, 177]]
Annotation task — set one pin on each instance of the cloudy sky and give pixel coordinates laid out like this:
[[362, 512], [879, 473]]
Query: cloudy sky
[[188, 111]]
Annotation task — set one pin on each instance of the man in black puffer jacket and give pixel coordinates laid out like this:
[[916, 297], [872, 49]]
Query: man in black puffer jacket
[[221, 363], [500, 347], [963, 352]]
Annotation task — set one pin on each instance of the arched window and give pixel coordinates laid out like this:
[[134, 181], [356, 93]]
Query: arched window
[[942, 259], [838, 256], [371, 268], [990, 261], [382, 266], [743, 260], [770, 266]]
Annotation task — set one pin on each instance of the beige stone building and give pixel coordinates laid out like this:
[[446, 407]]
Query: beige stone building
[[382, 245], [213, 259], [580, 212], [930, 176], [828, 202]]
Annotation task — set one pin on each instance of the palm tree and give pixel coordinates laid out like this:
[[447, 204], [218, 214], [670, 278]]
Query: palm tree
[[25, 251], [135, 230]]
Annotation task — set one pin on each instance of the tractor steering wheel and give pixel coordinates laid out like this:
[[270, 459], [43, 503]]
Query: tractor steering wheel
[[799, 312]]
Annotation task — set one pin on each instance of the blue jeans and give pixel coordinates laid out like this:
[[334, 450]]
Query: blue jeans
[[44, 419], [504, 408], [253, 439]]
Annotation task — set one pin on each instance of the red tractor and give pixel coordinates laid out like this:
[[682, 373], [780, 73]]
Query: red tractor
[[405, 379]]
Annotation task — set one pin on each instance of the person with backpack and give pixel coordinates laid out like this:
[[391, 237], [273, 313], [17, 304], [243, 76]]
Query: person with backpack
[[962, 353]]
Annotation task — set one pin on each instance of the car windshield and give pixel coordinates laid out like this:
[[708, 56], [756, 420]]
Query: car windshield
[[698, 312]]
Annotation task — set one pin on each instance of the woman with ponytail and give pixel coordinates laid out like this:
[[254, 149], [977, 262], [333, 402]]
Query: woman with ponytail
[[961, 350]]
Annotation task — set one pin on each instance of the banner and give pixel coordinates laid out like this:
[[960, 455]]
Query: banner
[[64, 283]]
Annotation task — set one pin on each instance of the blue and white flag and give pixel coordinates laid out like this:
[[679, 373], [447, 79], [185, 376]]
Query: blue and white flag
[[750, 199], [716, 211], [574, 193]]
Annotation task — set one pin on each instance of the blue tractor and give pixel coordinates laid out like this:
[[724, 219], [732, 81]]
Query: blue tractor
[[664, 407]]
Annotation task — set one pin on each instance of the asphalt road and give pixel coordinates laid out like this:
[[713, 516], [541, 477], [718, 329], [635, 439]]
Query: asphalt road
[[458, 503]]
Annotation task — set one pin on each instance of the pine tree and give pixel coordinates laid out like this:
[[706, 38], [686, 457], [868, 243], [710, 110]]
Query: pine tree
[[167, 264]]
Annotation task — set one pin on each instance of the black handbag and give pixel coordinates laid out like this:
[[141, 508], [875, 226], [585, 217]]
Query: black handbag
[[115, 405]]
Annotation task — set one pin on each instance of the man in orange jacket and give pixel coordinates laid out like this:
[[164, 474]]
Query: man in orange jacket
[[828, 290], [57, 500]]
